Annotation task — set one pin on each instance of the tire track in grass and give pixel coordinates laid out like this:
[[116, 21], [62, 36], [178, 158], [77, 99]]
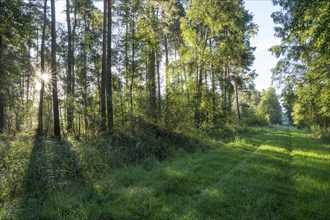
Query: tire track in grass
[[256, 187], [310, 178], [249, 186], [190, 181]]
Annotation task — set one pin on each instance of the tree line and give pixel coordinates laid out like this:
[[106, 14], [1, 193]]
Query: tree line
[[303, 69], [175, 64]]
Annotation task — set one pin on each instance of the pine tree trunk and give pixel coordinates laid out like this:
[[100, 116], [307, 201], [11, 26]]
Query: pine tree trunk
[[57, 131], [167, 80], [2, 101], [167, 83], [132, 74], [104, 67], [42, 54], [109, 72], [158, 82], [84, 76], [237, 104], [70, 97], [152, 81]]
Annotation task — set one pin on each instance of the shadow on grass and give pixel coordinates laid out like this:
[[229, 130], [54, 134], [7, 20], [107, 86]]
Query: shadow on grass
[[53, 182]]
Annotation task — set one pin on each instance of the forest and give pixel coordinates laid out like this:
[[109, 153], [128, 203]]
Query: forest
[[118, 109]]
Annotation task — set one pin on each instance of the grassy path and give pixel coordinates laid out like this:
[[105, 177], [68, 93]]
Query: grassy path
[[279, 173]]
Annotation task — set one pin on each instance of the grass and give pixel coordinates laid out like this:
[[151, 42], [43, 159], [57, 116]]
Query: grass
[[276, 173]]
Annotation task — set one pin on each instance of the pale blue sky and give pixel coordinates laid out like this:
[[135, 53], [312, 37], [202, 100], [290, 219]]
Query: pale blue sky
[[264, 62]]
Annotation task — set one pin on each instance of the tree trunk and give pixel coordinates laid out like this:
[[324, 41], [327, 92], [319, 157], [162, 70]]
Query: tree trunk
[[132, 74], [70, 99], [167, 80], [158, 82], [57, 131], [213, 85], [198, 97], [237, 106], [84, 75], [42, 54], [152, 81], [133, 71], [2, 101], [109, 72], [126, 94], [167, 83], [104, 67]]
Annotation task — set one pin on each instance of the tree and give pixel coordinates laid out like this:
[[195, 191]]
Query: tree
[[269, 106], [104, 67], [2, 104], [185, 60], [42, 70], [70, 83], [57, 131], [109, 71], [16, 23], [303, 69]]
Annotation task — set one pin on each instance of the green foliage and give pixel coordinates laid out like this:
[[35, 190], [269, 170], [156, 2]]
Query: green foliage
[[303, 69], [269, 107]]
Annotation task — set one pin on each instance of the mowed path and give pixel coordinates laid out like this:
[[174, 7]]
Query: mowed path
[[279, 173]]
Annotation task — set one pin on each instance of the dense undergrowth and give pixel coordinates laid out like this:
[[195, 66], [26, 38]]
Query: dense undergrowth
[[275, 173]]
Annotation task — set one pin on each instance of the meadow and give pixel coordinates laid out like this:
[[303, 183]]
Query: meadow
[[271, 173]]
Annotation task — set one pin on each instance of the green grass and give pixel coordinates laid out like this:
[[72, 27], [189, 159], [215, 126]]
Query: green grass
[[276, 173]]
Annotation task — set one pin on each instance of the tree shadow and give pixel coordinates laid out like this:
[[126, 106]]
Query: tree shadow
[[53, 178]]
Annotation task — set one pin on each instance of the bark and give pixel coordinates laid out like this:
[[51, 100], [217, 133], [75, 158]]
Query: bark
[[152, 81], [69, 79], [126, 63], [42, 64], [167, 84], [158, 82], [109, 72], [84, 75], [133, 68], [57, 131], [104, 67], [152, 68], [2, 101], [213, 85], [167, 80], [198, 97], [133, 73], [237, 106]]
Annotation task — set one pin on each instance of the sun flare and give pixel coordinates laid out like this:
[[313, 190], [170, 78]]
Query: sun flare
[[45, 77], [41, 78]]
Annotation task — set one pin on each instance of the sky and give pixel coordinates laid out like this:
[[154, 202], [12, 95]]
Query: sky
[[265, 61]]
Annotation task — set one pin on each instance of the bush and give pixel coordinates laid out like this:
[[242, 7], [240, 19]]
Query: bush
[[321, 133], [256, 120]]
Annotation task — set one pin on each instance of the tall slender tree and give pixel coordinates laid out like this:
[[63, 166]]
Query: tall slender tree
[[42, 70], [57, 130], [104, 67], [2, 102], [109, 71], [70, 101]]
